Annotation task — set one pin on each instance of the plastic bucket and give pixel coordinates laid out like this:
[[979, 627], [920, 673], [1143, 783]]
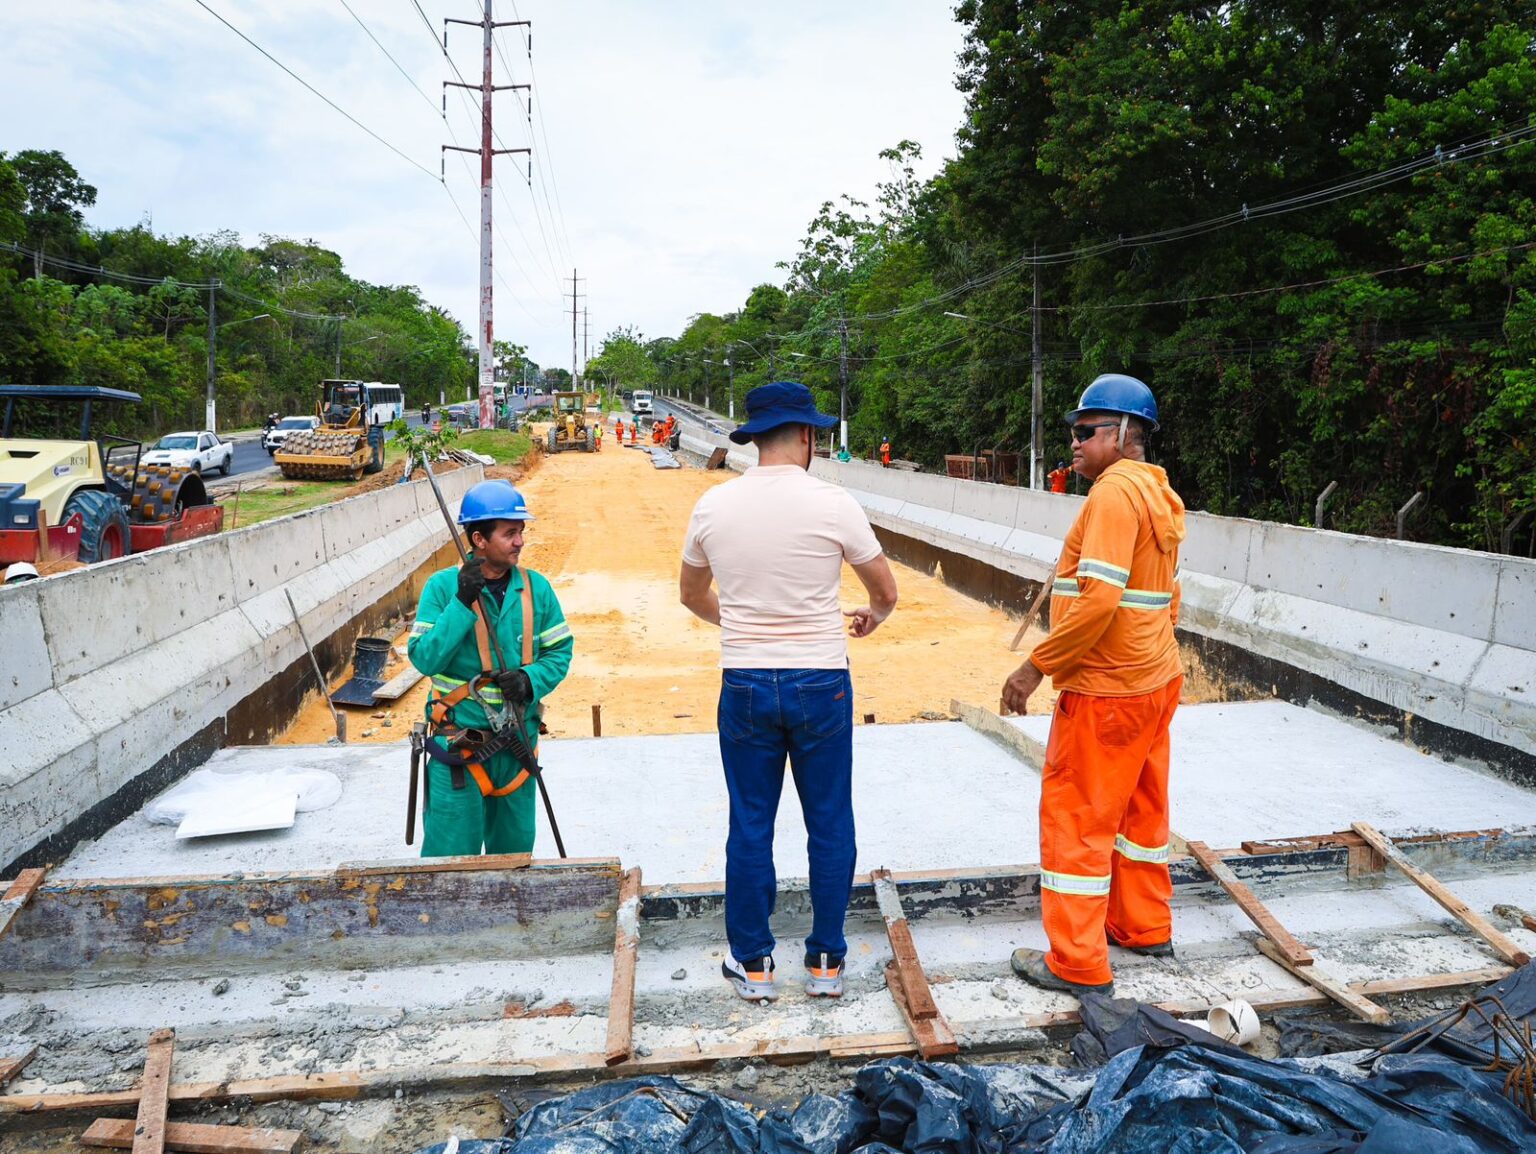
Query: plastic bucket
[[368, 657]]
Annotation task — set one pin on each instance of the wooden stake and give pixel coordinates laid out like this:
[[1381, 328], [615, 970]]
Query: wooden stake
[[597, 721], [18, 895], [10, 1067], [154, 1094], [196, 1138], [626, 951], [933, 1036], [1295, 953], [1426, 881], [1315, 976], [1034, 608]]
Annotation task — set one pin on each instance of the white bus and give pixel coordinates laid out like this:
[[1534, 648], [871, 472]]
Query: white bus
[[385, 403], [640, 401]]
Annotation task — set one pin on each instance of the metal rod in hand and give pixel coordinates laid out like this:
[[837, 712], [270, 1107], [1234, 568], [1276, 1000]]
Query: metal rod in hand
[[325, 690], [517, 714]]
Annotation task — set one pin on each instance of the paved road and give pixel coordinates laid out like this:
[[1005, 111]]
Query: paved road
[[249, 457]]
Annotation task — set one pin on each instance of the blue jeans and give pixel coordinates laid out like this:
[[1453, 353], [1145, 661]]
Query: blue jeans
[[764, 716]]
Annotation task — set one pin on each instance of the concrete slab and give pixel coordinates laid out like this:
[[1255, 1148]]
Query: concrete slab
[[1260, 769], [926, 796]]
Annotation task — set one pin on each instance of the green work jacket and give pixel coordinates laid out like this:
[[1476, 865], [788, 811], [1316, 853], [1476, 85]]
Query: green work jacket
[[442, 643]]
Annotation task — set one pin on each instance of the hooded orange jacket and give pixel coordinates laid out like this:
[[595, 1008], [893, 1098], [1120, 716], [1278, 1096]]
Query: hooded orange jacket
[[1116, 598]]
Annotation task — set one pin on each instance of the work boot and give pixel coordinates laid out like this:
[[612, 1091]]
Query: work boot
[[823, 976], [753, 979], [1030, 965], [1156, 950]]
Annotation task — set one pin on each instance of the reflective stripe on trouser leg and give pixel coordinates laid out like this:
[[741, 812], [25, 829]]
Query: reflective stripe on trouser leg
[[1093, 762], [1138, 905]]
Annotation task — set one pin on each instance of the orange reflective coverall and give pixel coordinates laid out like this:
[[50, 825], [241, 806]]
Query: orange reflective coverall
[[885, 453], [1058, 479], [1112, 653], [618, 432]]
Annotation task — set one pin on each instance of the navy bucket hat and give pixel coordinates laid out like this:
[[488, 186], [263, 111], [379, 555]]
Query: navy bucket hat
[[779, 403]]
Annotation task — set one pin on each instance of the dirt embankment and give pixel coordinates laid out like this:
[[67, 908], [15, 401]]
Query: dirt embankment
[[609, 534]]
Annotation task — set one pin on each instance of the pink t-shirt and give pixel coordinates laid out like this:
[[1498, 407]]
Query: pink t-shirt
[[776, 538]]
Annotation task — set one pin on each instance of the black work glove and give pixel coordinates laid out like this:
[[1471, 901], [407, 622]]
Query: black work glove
[[515, 687], [471, 582]]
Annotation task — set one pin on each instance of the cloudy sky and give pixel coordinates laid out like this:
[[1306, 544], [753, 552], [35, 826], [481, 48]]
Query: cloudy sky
[[688, 143]]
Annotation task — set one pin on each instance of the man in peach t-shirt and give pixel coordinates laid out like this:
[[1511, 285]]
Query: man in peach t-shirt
[[773, 542]]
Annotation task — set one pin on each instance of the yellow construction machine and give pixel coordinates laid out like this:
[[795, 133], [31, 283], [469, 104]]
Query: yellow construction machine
[[572, 428], [344, 447], [89, 496]]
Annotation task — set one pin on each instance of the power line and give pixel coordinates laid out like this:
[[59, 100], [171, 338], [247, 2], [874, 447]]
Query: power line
[[390, 57], [202, 4], [547, 156]]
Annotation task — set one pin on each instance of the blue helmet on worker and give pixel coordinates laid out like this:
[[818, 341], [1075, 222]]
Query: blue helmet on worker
[[1117, 393], [493, 501]]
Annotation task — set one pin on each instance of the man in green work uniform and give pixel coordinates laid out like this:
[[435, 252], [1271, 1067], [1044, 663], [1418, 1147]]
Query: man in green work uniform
[[489, 803]]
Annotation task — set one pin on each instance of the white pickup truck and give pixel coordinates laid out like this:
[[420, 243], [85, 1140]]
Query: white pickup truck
[[202, 452]]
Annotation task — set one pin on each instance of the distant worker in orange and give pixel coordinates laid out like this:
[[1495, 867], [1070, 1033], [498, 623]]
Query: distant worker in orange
[[1058, 477], [634, 431], [885, 452], [618, 430], [1112, 654]]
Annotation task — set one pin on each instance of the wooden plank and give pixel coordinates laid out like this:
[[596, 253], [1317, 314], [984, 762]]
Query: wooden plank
[[933, 1036], [18, 894], [10, 1067], [1426, 881], [914, 982], [154, 1091], [196, 1138], [1295, 953], [398, 685], [626, 951], [1315, 975], [489, 861]]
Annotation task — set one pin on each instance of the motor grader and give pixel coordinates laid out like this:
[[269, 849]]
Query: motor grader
[[343, 448], [572, 428], [87, 498]]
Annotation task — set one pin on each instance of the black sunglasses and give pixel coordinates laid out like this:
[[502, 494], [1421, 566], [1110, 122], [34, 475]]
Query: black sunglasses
[[1088, 432]]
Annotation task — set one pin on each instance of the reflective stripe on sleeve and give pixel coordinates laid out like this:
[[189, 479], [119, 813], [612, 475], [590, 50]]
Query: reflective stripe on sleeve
[[445, 685], [1156, 855], [1145, 599], [555, 633], [1064, 587], [1103, 571], [420, 627], [1087, 886]]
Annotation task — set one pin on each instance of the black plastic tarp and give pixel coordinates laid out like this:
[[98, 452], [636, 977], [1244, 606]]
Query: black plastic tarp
[[1165, 1089]]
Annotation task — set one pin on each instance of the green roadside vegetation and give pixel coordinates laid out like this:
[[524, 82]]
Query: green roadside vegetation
[[508, 448]]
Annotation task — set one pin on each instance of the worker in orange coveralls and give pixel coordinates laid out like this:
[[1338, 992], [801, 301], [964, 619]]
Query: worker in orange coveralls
[[1112, 654], [618, 431], [885, 453], [1058, 477]]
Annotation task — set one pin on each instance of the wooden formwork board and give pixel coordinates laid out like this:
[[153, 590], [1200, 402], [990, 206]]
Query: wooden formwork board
[[397, 913], [195, 1138], [626, 952]]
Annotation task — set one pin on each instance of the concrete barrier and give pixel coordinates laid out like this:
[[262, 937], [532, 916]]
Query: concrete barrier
[[1437, 635], [118, 677]]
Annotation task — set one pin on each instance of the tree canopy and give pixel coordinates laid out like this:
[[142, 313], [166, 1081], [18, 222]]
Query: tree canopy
[[1311, 229]]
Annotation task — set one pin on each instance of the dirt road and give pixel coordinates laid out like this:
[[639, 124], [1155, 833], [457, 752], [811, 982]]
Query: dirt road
[[608, 536]]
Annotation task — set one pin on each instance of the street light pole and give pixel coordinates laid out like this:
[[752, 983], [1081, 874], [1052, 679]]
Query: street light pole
[[210, 407]]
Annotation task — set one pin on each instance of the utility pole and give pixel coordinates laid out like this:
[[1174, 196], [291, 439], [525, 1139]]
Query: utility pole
[[576, 296], [211, 407], [488, 88], [842, 377], [1036, 402], [583, 340], [730, 379]]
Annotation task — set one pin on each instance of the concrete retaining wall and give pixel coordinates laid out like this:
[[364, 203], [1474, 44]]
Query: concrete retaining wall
[[1448, 635], [107, 671]]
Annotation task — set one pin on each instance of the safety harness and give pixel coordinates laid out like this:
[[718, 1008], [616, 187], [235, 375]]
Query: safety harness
[[462, 749]]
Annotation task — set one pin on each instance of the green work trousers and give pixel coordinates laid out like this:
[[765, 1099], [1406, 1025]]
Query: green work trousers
[[463, 821]]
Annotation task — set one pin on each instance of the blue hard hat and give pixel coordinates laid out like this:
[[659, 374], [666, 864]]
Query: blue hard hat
[[493, 501], [1117, 393]]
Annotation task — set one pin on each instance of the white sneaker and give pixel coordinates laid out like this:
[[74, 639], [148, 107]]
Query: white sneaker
[[753, 980], [823, 980]]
